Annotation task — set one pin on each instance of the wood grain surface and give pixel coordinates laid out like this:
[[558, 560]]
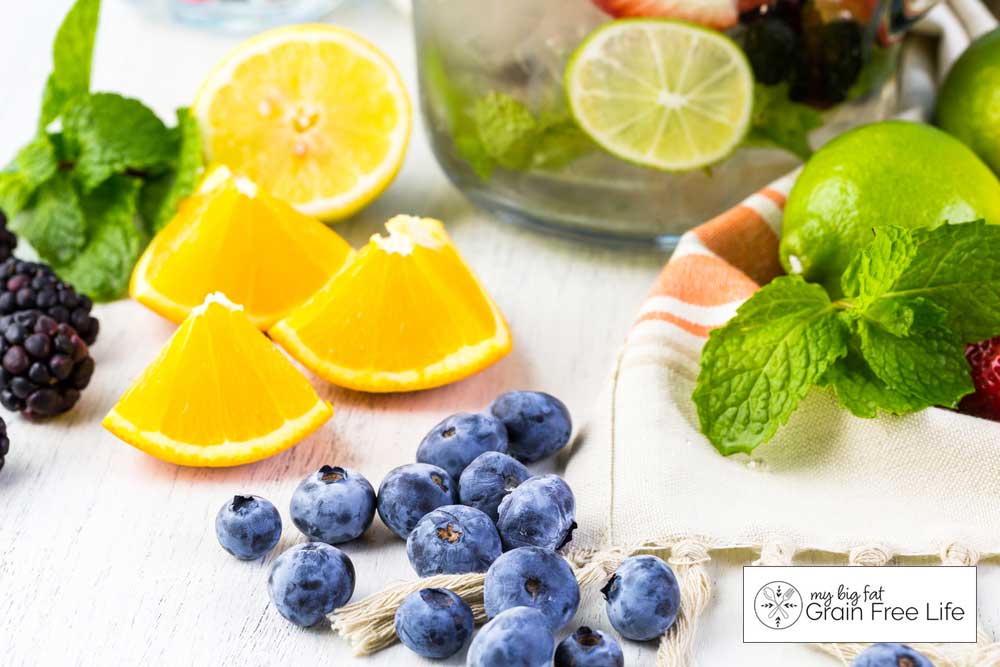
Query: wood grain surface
[[108, 556]]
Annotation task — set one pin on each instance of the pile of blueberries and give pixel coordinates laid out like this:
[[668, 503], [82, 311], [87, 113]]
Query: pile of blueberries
[[469, 504]]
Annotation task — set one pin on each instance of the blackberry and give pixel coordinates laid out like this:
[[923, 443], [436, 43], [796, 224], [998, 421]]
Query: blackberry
[[771, 46], [7, 239], [34, 286], [843, 49], [4, 442], [44, 364]]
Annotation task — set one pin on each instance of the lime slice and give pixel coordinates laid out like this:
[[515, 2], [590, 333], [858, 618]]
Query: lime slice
[[660, 93]]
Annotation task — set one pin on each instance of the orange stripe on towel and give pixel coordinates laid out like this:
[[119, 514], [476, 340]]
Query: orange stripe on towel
[[703, 280], [742, 237], [775, 196], [692, 328]]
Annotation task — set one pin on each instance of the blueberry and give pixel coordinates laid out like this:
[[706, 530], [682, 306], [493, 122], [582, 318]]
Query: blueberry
[[309, 581], [453, 539], [538, 513], [248, 527], [643, 598], [459, 439], [538, 425], [532, 577], [434, 623], [518, 637], [890, 655], [409, 492], [333, 505], [488, 479], [589, 648]]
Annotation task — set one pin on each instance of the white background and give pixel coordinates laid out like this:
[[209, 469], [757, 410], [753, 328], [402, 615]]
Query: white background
[[108, 556]]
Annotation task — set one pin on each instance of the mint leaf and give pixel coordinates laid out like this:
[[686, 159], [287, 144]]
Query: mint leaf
[[72, 55], [930, 368], [955, 267], [560, 141], [779, 121], [162, 195], [15, 192], [115, 134], [506, 129], [905, 316], [859, 390], [103, 267], [55, 225], [877, 268], [37, 161], [756, 369]]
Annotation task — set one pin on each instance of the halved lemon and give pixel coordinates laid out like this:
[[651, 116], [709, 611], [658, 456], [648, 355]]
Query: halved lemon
[[661, 93], [406, 313], [235, 238], [315, 114], [219, 394]]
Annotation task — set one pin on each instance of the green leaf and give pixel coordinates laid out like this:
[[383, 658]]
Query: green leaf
[[930, 368], [161, 196], [560, 141], [55, 226], [905, 316], [877, 268], [103, 267], [15, 192], [756, 369], [116, 134], [863, 393], [37, 161], [72, 56], [779, 121], [957, 268], [506, 129]]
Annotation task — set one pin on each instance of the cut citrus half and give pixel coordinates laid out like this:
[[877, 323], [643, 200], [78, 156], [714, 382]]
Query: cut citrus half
[[219, 394], [315, 114], [405, 314], [235, 238], [661, 93]]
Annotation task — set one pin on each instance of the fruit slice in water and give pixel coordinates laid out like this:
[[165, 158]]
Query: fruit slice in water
[[235, 238], [661, 94], [219, 394], [713, 13], [405, 314], [314, 114]]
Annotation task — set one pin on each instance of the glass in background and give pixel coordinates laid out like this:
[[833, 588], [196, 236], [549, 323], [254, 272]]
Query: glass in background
[[249, 15]]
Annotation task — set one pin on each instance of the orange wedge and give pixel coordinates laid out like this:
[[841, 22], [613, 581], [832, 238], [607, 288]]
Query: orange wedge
[[219, 394], [405, 314], [235, 238]]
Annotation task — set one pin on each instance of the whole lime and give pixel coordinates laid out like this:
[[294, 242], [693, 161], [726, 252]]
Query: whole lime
[[969, 100], [890, 173]]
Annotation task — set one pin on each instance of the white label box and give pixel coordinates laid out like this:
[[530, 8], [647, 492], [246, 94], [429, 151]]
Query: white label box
[[907, 605]]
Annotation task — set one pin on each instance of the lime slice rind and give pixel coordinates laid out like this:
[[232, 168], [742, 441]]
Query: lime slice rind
[[661, 93]]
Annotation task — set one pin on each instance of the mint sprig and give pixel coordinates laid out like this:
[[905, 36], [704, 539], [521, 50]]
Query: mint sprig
[[102, 174], [895, 342], [780, 122]]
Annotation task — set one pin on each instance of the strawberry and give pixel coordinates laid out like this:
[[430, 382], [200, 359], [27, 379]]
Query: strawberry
[[719, 14], [985, 361]]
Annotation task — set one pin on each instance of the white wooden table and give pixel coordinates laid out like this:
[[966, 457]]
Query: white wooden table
[[108, 556]]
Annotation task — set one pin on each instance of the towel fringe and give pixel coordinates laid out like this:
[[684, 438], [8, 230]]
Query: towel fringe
[[369, 624], [985, 653]]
